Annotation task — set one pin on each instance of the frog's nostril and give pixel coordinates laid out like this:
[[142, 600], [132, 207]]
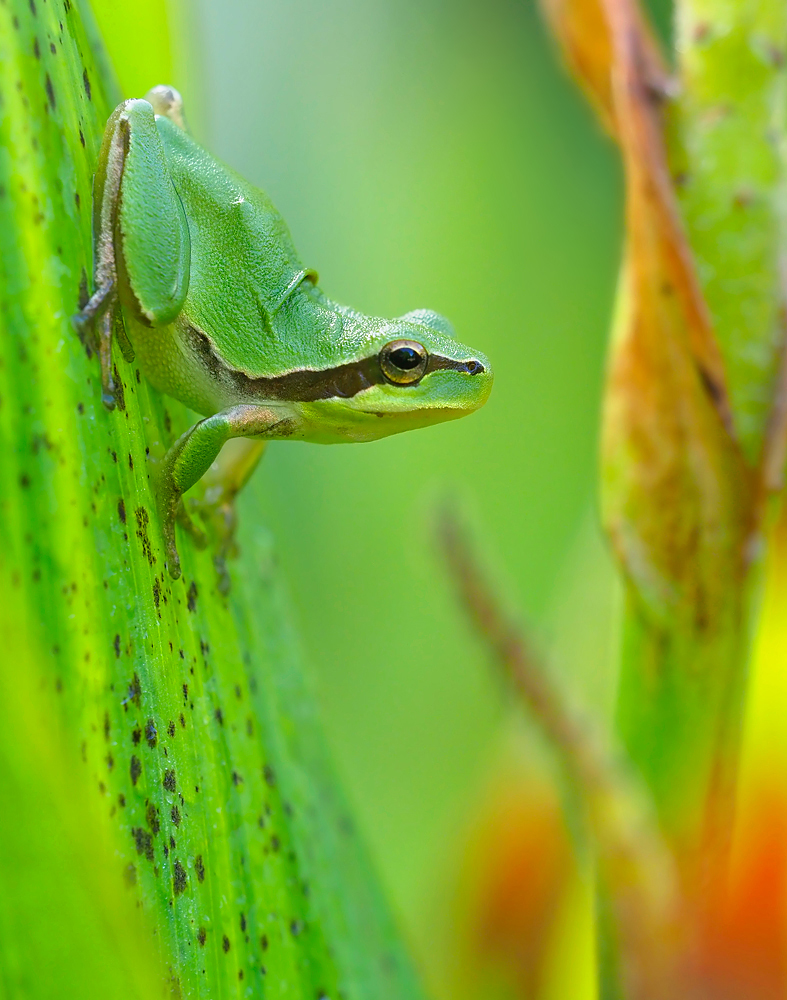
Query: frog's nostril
[[474, 368]]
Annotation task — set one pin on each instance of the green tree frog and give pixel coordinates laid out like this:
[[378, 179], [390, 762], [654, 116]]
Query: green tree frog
[[222, 315]]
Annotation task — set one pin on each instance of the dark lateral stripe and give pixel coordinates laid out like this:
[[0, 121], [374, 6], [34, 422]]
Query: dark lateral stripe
[[438, 363], [305, 385]]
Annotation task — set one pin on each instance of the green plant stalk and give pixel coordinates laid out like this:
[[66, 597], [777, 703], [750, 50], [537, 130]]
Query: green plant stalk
[[683, 677], [727, 131], [679, 712], [192, 733]]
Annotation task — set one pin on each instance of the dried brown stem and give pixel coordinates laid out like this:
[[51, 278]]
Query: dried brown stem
[[634, 862]]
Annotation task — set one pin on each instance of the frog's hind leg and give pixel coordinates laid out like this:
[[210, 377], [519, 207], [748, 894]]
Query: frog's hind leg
[[95, 321], [95, 324], [141, 258]]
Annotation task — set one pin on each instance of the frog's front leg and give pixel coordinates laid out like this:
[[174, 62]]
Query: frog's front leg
[[141, 245], [192, 455]]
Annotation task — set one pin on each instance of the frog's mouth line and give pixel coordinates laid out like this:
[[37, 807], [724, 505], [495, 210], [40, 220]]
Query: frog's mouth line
[[306, 385]]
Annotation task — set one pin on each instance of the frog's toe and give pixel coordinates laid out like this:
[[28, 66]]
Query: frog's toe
[[173, 559], [170, 546]]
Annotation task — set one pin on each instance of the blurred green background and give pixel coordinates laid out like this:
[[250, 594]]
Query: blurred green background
[[425, 153]]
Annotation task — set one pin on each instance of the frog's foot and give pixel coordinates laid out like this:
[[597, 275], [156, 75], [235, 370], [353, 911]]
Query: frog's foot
[[95, 324], [191, 457]]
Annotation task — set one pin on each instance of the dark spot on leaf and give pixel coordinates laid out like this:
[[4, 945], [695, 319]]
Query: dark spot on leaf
[[182, 720], [269, 775], [199, 868], [24, 481], [136, 735], [106, 725], [143, 520], [135, 769], [134, 691], [143, 842], [33, 7], [264, 942], [152, 819], [50, 91], [36, 49], [296, 926], [151, 733], [116, 646], [82, 138], [170, 729], [156, 592], [201, 936], [122, 510], [225, 943], [219, 715], [122, 800], [175, 815], [53, 48], [120, 394], [86, 81], [179, 878], [169, 781], [236, 779], [275, 844], [192, 596]]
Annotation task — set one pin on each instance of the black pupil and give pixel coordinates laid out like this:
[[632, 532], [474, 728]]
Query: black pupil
[[405, 358]]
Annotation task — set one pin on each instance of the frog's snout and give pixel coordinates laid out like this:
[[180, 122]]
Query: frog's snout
[[479, 384]]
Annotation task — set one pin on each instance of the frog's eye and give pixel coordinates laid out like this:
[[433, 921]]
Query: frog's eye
[[404, 361]]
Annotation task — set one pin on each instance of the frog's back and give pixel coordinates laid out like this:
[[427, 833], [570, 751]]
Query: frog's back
[[242, 256]]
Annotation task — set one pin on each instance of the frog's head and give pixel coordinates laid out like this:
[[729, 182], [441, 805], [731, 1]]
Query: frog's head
[[410, 372]]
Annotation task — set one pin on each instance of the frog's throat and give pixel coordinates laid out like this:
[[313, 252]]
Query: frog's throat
[[306, 385]]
